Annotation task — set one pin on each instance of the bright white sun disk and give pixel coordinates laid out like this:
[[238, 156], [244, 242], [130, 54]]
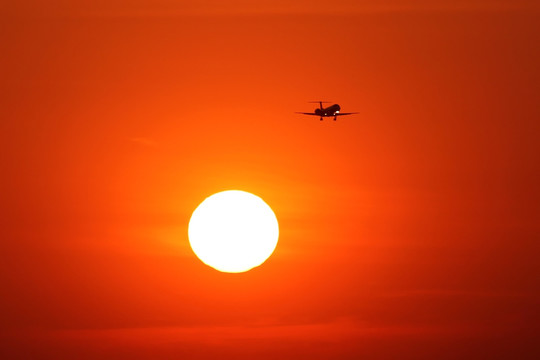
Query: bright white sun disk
[[233, 231]]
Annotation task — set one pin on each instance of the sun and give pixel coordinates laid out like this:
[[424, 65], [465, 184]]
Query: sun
[[233, 231]]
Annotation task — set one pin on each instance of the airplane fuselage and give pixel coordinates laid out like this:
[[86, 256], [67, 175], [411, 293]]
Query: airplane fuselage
[[328, 111]]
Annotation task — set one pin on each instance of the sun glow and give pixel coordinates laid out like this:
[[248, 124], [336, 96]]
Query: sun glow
[[233, 231]]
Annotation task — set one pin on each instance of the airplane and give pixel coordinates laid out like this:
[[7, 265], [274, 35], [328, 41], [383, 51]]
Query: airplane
[[330, 111]]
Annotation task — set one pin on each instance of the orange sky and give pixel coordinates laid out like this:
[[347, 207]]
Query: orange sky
[[408, 231]]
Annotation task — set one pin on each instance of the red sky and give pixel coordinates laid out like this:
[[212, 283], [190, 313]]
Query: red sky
[[408, 231]]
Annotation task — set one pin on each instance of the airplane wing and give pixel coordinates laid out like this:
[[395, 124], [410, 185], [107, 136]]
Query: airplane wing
[[307, 113], [339, 114]]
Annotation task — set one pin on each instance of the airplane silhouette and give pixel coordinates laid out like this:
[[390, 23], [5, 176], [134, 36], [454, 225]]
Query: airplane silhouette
[[330, 111]]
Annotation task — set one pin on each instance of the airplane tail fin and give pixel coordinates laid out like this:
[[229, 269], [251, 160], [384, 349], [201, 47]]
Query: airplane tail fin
[[320, 102]]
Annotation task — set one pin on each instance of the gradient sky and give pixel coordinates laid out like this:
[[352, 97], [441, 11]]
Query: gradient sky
[[408, 231]]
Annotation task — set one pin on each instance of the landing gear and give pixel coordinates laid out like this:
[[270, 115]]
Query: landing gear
[[335, 118], [321, 118]]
